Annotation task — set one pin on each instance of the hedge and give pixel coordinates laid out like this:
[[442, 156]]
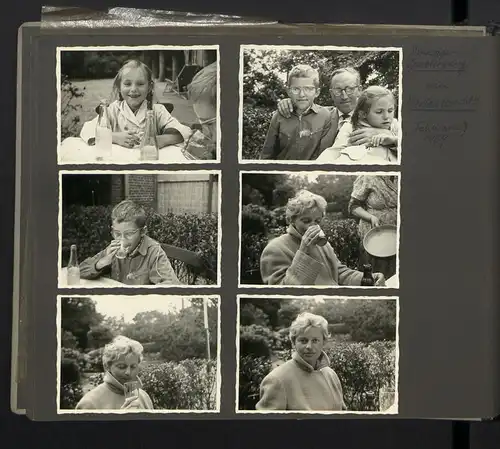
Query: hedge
[[89, 228], [255, 125]]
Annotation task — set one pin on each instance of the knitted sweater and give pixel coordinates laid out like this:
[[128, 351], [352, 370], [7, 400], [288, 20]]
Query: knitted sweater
[[282, 263], [296, 385], [110, 395]]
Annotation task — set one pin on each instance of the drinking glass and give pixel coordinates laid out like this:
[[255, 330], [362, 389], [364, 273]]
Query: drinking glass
[[386, 398], [122, 252], [131, 389]]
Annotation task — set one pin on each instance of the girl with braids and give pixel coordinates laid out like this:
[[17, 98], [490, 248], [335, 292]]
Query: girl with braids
[[374, 109], [131, 97]]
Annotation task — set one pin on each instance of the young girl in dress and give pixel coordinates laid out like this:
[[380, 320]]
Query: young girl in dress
[[374, 109], [131, 97]]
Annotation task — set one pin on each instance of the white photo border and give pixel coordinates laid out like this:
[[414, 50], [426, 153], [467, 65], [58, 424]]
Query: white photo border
[[244, 47], [329, 173], [61, 49], [131, 411], [62, 285], [314, 412]]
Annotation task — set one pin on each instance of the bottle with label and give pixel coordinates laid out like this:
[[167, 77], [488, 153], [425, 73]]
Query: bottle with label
[[149, 144], [367, 280], [73, 268], [103, 133]]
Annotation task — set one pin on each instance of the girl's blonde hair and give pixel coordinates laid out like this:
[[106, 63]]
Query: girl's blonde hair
[[119, 347], [365, 101], [302, 201], [133, 64], [306, 320]]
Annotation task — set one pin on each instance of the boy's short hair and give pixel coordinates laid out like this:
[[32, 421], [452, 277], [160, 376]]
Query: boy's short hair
[[203, 86], [304, 71], [128, 210]]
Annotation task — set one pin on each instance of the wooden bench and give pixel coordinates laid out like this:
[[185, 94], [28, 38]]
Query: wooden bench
[[189, 266]]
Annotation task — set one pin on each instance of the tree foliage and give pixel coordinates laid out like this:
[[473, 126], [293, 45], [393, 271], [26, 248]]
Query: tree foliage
[[265, 71], [78, 316]]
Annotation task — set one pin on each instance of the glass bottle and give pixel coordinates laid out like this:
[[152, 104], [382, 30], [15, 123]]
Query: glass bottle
[[367, 280], [73, 268], [149, 144], [103, 133]]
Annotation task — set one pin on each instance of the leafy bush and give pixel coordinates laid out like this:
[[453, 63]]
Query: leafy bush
[[70, 120], [252, 372], [344, 238], [70, 391], [281, 340], [89, 228], [70, 395], [188, 385], [255, 340], [363, 370], [94, 359], [252, 246], [78, 357], [68, 340], [194, 232], [255, 125], [96, 379]]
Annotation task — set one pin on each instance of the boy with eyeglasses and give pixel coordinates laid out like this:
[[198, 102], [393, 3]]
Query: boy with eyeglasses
[[144, 262], [308, 130]]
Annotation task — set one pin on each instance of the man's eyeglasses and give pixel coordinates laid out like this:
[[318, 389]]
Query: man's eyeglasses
[[306, 89], [126, 235], [348, 90]]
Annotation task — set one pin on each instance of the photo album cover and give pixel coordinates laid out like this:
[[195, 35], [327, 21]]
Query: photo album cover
[[256, 222]]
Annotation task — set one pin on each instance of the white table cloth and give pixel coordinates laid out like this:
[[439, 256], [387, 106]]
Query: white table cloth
[[87, 283], [74, 150]]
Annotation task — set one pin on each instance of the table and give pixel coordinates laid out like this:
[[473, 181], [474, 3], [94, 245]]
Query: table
[[86, 283], [372, 157], [392, 282], [74, 150]]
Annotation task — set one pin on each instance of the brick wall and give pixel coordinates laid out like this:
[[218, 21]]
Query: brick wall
[[142, 189], [117, 188]]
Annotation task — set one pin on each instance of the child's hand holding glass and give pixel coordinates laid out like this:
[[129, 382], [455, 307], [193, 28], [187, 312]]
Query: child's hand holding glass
[[110, 252]]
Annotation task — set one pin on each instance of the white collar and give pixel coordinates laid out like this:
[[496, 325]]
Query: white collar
[[139, 117]]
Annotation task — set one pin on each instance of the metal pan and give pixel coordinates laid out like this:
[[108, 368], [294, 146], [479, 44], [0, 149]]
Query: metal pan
[[381, 241]]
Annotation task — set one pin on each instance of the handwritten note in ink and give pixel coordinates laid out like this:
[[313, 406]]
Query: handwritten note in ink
[[445, 100]]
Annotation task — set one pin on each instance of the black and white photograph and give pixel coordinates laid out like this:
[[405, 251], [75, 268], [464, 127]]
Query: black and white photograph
[[145, 353], [139, 228], [319, 229], [330, 105], [124, 105], [299, 354]]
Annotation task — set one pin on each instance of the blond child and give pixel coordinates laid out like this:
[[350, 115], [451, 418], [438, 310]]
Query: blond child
[[374, 109], [144, 261], [308, 131], [202, 92], [131, 97]]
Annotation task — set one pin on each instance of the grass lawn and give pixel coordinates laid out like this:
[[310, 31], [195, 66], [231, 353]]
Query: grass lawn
[[95, 90]]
